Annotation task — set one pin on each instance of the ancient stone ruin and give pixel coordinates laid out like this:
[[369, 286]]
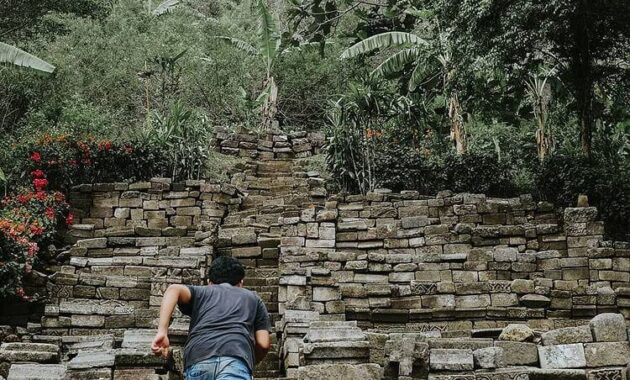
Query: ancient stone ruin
[[381, 286]]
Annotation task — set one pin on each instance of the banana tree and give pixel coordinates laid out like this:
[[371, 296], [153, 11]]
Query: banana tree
[[539, 95], [267, 49], [12, 55], [429, 58]]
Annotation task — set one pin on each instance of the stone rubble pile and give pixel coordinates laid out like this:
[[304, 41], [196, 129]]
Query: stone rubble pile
[[599, 350]]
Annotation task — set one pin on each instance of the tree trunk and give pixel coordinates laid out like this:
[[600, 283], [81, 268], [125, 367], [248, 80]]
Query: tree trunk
[[458, 135], [270, 106], [583, 77]]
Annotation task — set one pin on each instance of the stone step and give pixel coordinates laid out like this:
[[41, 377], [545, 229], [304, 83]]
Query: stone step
[[29, 352]]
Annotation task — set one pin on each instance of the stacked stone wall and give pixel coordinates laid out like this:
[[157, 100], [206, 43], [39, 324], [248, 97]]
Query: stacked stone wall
[[133, 240], [268, 146], [451, 265]]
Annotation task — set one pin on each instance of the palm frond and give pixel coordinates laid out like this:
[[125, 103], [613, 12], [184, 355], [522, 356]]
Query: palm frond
[[396, 62], [239, 44], [164, 7], [381, 41], [11, 54]]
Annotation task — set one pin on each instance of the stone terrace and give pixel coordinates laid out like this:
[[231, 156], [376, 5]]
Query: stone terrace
[[381, 286]]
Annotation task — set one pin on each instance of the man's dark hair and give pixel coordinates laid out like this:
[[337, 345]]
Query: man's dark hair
[[226, 269]]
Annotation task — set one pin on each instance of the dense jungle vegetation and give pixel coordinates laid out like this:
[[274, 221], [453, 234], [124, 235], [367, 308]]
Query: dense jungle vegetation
[[502, 97]]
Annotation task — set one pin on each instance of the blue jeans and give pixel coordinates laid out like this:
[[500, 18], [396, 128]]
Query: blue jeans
[[219, 368]]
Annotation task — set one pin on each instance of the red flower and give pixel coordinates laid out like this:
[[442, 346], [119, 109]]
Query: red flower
[[36, 156], [59, 197], [50, 213], [24, 198], [20, 292], [70, 219], [41, 195], [36, 229], [40, 183], [72, 162], [33, 248], [39, 173], [105, 145]]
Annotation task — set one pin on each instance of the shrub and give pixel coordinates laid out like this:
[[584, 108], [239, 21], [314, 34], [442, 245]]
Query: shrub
[[562, 178], [69, 161], [477, 173], [28, 222], [400, 167]]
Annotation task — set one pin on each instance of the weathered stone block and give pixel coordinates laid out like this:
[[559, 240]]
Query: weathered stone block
[[517, 333], [326, 294], [490, 357], [37, 372], [562, 356], [451, 360], [609, 327], [567, 335], [340, 371], [518, 353], [607, 354]]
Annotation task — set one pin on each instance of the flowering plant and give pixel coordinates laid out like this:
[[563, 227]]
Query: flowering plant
[[28, 221], [69, 160]]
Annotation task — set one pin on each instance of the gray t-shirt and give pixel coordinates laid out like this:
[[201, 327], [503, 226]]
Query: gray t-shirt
[[223, 321]]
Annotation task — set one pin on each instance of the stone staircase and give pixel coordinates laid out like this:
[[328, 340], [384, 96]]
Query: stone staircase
[[273, 189]]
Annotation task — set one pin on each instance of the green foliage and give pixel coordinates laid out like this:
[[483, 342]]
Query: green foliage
[[607, 185], [183, 137]]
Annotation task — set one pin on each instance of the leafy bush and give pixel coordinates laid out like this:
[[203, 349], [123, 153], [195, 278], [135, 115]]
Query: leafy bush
[[477, 173], [183, 137], [69, 161], [562, 178], [403, 168], [28, 222]]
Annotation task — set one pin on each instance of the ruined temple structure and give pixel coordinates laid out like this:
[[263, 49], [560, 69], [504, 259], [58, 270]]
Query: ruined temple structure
[[378, 286]]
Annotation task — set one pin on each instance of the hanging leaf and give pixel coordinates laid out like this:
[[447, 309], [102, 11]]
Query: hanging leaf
[[165, 7], [396, 62], [11, 54], [239, 44], [3, 178], [381, 41]]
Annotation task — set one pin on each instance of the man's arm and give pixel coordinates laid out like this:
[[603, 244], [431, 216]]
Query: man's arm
[[174, 294], [263, 344]]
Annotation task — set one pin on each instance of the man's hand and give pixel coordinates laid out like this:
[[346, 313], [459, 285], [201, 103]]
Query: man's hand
[[160, 344]]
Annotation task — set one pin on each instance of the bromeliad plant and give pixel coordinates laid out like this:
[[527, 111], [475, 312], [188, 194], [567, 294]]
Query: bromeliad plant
[[28, 221]]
